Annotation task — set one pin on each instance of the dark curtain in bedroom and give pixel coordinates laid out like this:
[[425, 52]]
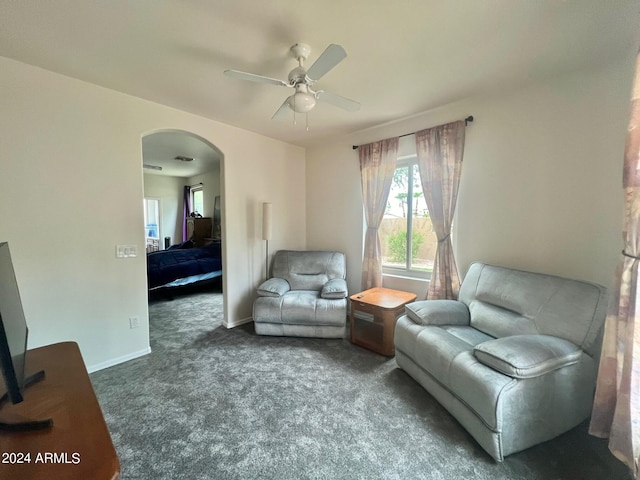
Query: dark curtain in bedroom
[[186, 211]]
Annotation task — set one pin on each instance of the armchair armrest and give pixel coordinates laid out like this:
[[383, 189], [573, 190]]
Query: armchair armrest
[[274, 287], [438, 312], [334, 288], [527, 356]]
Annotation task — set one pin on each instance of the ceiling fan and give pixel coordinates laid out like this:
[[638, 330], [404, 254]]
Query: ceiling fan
[[304, 98]]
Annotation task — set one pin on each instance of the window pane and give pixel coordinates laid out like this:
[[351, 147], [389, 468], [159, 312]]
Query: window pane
[[198, 201], [393, 229], [423, 240], [407, 212], [152, 217]]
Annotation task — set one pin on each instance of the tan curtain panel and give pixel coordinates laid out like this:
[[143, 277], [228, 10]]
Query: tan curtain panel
[[377, 164], [616, 409], [440, 151]]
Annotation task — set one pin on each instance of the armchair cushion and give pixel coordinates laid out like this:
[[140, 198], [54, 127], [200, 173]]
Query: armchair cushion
[[438, 312], [334, 288], [274, 287], [527, 356]]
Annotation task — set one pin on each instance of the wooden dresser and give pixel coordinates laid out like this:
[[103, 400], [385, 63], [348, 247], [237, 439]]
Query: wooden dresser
[[199, 228], [78, 445]]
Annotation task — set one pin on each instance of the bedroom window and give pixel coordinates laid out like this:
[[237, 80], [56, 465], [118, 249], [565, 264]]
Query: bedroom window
[[152, 223], [197, 200], [407, 239]]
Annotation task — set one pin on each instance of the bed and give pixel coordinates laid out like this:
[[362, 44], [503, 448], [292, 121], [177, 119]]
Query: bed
[[183, 265]]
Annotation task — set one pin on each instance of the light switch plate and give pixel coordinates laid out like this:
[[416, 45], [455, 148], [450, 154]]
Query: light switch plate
[[126, 251]]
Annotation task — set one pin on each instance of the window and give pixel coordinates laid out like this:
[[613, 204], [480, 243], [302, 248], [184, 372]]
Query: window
[[197, 200], [152, 223], [407, 239], [152, 217]]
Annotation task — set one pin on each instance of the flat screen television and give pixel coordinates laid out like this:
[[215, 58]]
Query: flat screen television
[[13, 328], [13, 341]]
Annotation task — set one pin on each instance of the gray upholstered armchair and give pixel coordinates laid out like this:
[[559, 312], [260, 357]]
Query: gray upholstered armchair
[[306, 296]]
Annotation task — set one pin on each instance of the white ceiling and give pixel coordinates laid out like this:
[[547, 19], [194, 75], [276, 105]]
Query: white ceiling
[[161, 149], [404, 56]]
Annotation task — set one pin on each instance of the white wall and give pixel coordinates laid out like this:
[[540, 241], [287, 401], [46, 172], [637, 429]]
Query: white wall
[[541, 181], [71, 186]]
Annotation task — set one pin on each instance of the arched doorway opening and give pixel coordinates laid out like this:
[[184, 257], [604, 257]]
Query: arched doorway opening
[[182, 170]]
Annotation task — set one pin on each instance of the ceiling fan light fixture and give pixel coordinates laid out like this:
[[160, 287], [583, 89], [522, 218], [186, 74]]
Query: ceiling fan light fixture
[[302, 102]]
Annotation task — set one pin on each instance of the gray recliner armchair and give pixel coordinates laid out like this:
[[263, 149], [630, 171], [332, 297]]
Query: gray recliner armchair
[[514, 360], [306, 296]]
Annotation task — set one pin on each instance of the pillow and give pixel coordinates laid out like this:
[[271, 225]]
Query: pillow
[[527, 356], [334, 288], [274, 287], [438, 312]]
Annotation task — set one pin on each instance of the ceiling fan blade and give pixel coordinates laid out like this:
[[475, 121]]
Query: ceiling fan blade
[[332, 56], [338, 101], [283, 111], [255, 78]]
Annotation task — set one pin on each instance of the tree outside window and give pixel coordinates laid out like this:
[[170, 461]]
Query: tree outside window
[[407, 239]]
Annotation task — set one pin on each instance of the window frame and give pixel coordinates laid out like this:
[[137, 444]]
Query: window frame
[[193, 191], [409, 161]]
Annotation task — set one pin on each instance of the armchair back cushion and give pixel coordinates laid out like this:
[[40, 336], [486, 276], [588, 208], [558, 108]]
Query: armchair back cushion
[[504, 302], [308, 270]]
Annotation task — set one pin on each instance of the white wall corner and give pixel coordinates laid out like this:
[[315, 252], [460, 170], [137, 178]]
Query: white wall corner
[[118, 360], [237, 323]]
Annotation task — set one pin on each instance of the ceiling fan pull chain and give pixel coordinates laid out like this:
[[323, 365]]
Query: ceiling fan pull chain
[[294, 110], [307, 118]]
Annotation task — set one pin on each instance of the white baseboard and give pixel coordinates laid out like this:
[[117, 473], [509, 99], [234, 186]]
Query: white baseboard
[[146, 351], [237, 323], [116, 361]]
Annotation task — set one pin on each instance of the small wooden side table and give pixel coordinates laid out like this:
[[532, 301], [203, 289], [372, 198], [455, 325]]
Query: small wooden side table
[[373, 318]]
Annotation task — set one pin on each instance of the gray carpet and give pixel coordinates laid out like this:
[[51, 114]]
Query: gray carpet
[[212, 403]]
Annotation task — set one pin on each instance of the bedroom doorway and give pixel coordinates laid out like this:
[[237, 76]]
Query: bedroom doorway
[[176, 164]]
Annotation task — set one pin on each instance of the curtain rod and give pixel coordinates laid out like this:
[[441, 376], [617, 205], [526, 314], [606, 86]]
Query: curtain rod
[[196, 185], [467, 120]]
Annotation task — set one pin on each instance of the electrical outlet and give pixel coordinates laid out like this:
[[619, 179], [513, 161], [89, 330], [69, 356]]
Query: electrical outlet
[[134, 322]]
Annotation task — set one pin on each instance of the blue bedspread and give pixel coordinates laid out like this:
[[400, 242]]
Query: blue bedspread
[[166, 266]]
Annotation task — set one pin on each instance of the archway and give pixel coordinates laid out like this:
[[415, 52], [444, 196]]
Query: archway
[[171, 160]]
